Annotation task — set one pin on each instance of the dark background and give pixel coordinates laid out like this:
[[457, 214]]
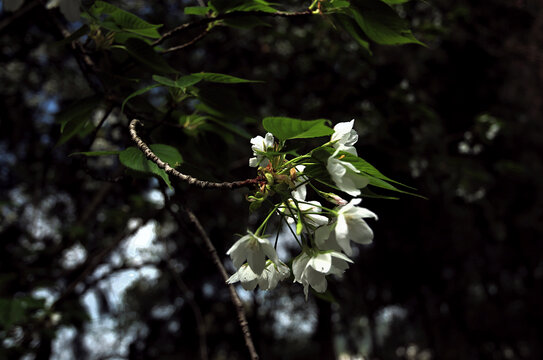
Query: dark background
[[457, 276]]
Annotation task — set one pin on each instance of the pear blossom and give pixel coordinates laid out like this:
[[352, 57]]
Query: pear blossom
[[345, 175], [345, 137], [260, 145], [311, 267], [350, 225], [270, 277], [300, 190], [253, 249], [310, 211]]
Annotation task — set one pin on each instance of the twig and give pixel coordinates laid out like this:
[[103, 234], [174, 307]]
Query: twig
[[189, 179], [191, 42], [235, 14], [242, 318]]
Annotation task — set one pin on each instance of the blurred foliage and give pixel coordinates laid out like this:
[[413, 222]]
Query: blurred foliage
[[458, 276]]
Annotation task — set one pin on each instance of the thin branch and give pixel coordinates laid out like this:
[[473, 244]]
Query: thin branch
[[235, 14], [189, 43], [189, 179], [242, 318]]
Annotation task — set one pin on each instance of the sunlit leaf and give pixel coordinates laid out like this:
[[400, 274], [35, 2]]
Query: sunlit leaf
[[196, 10], [134, 159], [285, 128]]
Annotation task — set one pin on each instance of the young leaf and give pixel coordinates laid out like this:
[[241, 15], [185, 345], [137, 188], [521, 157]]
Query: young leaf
[[222, 78], [134, 159], [381, 23], [196, 10], [167, 154], [352, 29], [285, 128], [181, 83], [138, 92], [124, 20]]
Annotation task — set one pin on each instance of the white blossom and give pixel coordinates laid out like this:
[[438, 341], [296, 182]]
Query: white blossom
[[345, 175], [270, 277], [253, 249], [345, 137], [300, 190], [350, 225], [310, 211], [261, 144], [311, 267]]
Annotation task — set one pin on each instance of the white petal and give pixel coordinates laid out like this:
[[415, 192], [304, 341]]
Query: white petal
[[361, 212], [321, 263], [321, 235], [316, 279], [270, 252], [342, 229], [361, 232], [253, 162], [299, 193], [256, 261], [298, 266], [268, 141]]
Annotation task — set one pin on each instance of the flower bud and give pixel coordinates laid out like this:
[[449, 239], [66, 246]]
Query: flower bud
[[336, 199]]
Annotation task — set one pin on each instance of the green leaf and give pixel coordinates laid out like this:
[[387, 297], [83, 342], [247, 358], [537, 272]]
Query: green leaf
[[375, 177], [352, 29], [134, 159], [285, 128], [226, 6], [167, 154], [181, 83], [124, 20], [138, 92], [145, 54], [196, 10], [75, 119], [381, 23], [222, 78], [96, 153]]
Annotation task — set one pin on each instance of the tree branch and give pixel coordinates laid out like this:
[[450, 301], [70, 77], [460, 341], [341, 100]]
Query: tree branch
[[189, 179], [235, 14], [188, 43], [242, 318]]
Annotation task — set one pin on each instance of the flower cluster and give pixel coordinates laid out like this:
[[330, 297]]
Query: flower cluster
[[324, 232]]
